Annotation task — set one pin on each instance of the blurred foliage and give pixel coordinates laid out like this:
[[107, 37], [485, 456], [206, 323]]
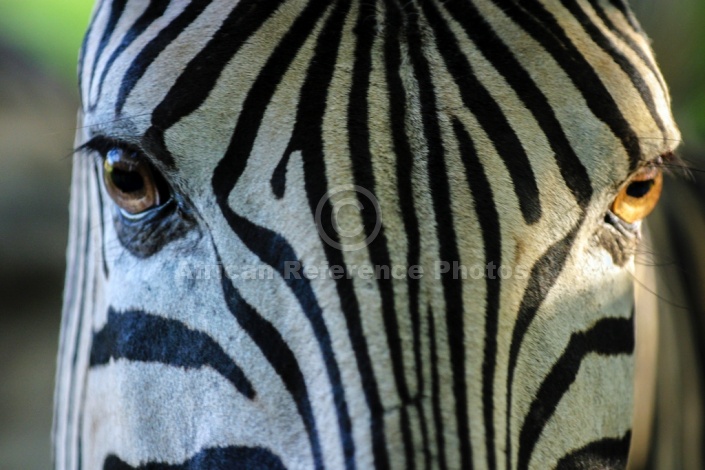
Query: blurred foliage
[[49, 31]]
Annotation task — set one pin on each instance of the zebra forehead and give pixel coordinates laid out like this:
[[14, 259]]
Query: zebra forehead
[[199, 79]]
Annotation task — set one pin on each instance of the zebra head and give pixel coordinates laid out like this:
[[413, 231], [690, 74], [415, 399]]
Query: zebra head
[[356, 234]]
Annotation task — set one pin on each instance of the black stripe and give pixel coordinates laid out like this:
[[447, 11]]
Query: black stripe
[[155, 47], [622, 6], [200, 75], [81, 312], [445, 229], [502, 58], [250, 458], [67, 369], [279, 355], [307, 137], [648, 61], [316, 183], [605, 453], [404, 166], [278, 179], [269, 246], [155, 10], [491, 238], [84, 45], [82, 399], [143, 337], [436, 394], [363, 174], [232, 165], [629, 69], [490, 116], [99, 192], [274, 250], [543, 27], [610, 337], [543, 276], [79, 463], [116, 9]]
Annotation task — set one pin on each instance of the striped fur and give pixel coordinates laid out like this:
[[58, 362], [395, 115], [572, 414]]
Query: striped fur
[[490, 132]]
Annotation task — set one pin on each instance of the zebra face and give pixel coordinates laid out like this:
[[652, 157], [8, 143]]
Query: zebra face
[[357, 234]]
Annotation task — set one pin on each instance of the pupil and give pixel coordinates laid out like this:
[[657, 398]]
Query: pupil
[[127, 181], [639, 188]]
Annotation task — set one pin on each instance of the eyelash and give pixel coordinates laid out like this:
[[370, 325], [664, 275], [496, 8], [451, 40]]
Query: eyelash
[[99, 146], [673, 165]]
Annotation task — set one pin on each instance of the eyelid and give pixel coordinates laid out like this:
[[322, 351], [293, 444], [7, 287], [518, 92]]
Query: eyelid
[[103, 145]]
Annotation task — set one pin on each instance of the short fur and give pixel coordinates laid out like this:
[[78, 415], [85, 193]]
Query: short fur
[[481, 132]]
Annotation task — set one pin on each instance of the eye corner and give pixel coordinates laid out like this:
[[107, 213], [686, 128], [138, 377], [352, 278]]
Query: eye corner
[[674, 165], [669, 157]]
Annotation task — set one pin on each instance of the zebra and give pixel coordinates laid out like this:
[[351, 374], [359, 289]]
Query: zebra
[[357, 234]]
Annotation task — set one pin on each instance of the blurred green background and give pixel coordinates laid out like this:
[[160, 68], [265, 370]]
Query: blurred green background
[[49, 32], [39, 42]]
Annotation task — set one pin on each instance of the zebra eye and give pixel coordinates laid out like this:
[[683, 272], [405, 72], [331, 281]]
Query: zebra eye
[[131, 182], [639, 195]]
